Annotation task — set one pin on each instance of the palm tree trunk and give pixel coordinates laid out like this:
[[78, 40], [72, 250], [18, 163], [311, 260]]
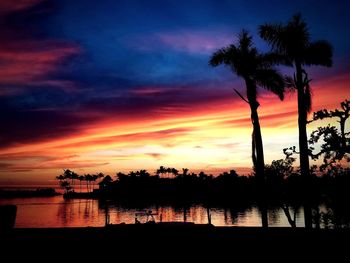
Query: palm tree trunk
[[303, 145], [253, 149], [342, 132], [259, 161], [259, 149]]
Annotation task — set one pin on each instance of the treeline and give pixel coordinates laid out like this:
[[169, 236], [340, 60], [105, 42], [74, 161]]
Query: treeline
[[283, 182], [69, 178], [284, 185], [40, 192]]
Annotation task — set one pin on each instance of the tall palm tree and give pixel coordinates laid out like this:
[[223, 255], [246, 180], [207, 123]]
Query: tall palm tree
[[292, 40], [257, 70]]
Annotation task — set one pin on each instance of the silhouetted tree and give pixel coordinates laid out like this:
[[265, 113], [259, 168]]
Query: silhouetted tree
[[81, 178], [121, 176], [278, 172], [64, 180], [106, 181], [161, 170], [88, 179], [184, 171], [292, 40], [174, 171], [66, 186], [60, 178], [257, 70], [336, 143], [144, 174]]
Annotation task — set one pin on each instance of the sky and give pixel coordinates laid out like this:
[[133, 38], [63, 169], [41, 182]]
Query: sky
[[107, 86]]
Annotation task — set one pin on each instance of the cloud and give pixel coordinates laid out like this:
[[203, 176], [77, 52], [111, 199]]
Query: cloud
[[157, 156], [136, 137], [148, 91], [29, 62], [23, 126], [201, 42], [5, 166], [9, 6], [28, 54], [50, 165], [33, 122]]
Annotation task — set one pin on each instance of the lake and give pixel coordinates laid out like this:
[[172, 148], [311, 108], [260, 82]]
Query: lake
[[58, 212]]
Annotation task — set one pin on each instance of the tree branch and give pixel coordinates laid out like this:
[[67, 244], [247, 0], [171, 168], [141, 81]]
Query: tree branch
[[239, 94]]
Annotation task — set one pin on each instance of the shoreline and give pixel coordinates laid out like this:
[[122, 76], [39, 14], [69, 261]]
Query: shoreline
[[39, 192], [173, 228], [178, 239]]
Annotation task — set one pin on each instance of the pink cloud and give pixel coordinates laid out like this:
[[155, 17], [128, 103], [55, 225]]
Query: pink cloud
[[28, 62], [145, 91], [8, 6]]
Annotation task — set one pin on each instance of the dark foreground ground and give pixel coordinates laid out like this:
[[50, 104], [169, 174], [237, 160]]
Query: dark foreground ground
[[175, 242]]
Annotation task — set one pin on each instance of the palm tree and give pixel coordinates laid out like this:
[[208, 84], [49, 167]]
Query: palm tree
[[81, 178], [174, 171], [292, 40], [184, 172], [257, 70], [94, 177], [144, 174], [88, 179], [168, 171], [60, 178], [161, 170]]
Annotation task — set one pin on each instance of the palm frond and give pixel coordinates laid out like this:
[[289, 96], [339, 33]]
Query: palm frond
[[223, 56], [272, 58], [245, 40], [290, 83], [307, 93], [308, 98], [319, 53], [218, 57], [297, 33], [272, 80], [289, 39], [271, 34], [241, 96]]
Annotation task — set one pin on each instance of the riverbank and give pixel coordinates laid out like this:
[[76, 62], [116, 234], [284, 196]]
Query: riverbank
[[177, 238], [40, 192]]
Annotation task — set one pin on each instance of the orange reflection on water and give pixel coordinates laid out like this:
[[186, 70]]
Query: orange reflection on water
[[57, 212]]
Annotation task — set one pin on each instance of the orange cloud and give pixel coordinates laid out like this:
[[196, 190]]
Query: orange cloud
[[212, 135]]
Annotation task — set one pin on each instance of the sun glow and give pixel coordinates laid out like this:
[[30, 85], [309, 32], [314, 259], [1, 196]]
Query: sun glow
[[212, 139]]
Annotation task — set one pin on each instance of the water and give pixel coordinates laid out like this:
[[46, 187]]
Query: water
[[58, 212]]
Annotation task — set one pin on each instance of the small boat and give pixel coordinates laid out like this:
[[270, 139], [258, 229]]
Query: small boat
[[147, 214]]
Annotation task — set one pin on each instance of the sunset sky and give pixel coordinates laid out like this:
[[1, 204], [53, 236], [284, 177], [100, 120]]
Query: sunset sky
[[125, 85]]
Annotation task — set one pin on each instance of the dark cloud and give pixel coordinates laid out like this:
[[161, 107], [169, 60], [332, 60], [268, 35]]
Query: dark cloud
[[157, 156], [23, 126]]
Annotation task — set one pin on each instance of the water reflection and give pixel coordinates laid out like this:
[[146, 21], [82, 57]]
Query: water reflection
[[57, 212]]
